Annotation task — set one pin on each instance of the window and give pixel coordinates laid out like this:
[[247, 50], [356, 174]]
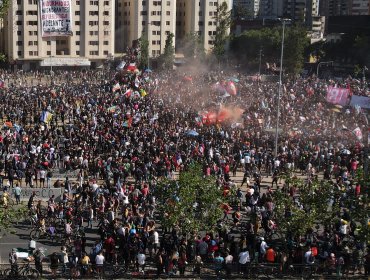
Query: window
[[200, 23], [91, 33], [154, 33], [105, 52], [168, 13], [94, 53], [143, 22], [106, 43], [211, 13], [153, 52], [77, 13], [30, 43], [77, 52], [106, 3], [35, 43], [168, 3], [93, 13], [19, 12], [167, 23], [19, 53], [78, 3], [48, 43], [168, 32], [106, 13], [106, 33], [153, 42], [77, 43], [143, 3], [48, 53], [210, 42], [143, 13], [19, 43], [209, 32], [93, 43], [106, 22], [30, 53], [209, 23], [158, 42], [19, 33], [200, 13], [77, 22], [19, 2], [19, 22], [92, 23]]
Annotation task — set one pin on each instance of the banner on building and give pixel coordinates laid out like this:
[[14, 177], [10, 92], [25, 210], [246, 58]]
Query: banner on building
[[56, 18], [338, 96]]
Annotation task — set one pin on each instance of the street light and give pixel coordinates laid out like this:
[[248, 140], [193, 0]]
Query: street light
[[280, 86], [318, 66]]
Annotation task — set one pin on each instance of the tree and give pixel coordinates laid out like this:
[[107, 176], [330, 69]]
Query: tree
[[192, 46], [168, 55], [223, 22], [240, 12], [294, 48], [144, 53], [4, 5], [191, 203], [10, 216], [294, 218]]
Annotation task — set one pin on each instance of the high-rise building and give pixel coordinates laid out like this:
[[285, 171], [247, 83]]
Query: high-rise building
[[359, 7], [152, 19], [91, 42], [198, 16]]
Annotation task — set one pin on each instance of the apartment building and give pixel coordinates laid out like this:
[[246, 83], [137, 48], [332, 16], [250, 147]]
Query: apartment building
[[90, 43], [359, 7], [198, 16], [152, 19]]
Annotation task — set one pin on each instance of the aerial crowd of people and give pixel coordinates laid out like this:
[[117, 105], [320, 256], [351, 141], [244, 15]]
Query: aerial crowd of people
[[111, 137]]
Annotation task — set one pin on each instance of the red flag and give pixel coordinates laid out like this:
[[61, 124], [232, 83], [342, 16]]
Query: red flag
[[2, 84]]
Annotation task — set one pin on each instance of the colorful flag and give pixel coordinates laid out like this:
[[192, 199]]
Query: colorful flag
[[2, 84], [116, 87], [128, 93], [127, 123], [357, 131], [143, 93], [231, 88], [337, 96], [46, 117]]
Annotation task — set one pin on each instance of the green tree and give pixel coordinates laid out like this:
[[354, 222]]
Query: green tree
[[223, 22], [144, 53], [191, 203], [241, 12], [293, 219], [296, 41], [11, 216], [4, 4], [192, 46], [168, 55]]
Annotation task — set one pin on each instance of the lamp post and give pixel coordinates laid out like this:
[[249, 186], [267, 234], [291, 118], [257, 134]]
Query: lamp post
[[280, 86], [318, 66]]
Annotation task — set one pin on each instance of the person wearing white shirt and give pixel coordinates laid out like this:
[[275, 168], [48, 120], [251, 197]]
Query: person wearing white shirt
[[244, 260], [229, 263], [263, 248], [141, 262], [99, 261]]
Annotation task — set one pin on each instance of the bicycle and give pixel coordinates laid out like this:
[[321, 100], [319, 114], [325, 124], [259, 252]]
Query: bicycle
[[25, 271]]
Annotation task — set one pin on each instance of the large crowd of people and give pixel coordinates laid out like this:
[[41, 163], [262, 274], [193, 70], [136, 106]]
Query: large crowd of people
[[121, 132]]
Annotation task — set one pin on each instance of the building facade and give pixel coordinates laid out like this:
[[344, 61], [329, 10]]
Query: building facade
[[198, 17], [152, 19], [90, 45]]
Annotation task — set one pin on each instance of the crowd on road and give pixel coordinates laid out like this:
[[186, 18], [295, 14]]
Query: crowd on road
[[124, 133]]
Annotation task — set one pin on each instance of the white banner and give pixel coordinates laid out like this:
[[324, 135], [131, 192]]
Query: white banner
[[56, 18]]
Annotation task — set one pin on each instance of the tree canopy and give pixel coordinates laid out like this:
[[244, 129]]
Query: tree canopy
[[191, 203], [223, 22]]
